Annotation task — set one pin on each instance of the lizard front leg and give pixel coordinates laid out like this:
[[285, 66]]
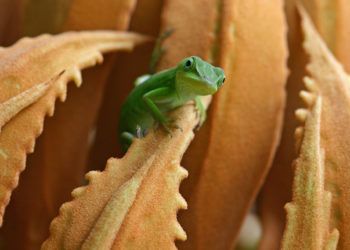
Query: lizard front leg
[[201, 110], [163, 93]]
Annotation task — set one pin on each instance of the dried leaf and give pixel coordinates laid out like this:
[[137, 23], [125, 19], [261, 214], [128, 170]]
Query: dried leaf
[[30, 62], [13, 106], [41, 189], [230, 157], [277, 190], [308, 215], [133, 203], [333, 84], [156, 230], [190, 38], [331, 19]]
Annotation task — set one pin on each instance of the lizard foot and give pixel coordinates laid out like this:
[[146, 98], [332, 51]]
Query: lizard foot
[[170, 125], [201, 113]]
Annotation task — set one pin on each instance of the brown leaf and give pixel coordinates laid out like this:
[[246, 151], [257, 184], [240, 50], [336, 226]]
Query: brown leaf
[[228, 161], [331, 19], [32, 61], [190, 38], [277, 190], [41, 189], [308, 215], [333, 84], [157, 231], [17, 103], [133, 203]]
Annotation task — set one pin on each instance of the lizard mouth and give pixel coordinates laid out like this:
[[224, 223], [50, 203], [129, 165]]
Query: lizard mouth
[[207, 87]]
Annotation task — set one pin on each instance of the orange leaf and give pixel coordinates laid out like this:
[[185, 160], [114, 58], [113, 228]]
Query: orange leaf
[[331, 19], [229, 159], [30, 62], [133, 203], [308, 215], [333, 84], [13, 106], [41, 189]]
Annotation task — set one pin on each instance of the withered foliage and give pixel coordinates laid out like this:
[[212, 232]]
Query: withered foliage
[[133, 202]]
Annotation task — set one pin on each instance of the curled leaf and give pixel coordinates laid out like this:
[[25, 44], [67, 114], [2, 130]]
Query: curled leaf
[[31, 62], [133, 203]]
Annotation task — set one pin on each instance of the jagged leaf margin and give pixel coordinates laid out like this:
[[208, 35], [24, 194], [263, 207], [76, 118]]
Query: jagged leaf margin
[[309, 214], [31, 62], [133, 203]]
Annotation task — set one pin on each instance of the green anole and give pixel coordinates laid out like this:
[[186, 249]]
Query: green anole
[[155, 95]]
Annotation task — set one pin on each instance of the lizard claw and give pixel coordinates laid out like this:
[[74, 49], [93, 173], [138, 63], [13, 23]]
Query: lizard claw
[[169, 125]]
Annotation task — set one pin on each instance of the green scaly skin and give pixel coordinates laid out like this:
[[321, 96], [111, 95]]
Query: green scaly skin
[[155, 95]]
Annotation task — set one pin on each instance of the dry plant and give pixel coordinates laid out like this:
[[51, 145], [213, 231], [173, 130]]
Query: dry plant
[[79, 192]]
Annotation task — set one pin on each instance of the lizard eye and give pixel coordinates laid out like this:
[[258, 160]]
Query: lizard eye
[[188, 64]]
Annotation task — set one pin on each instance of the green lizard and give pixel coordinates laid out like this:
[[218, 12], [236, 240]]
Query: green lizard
[[155, 95]]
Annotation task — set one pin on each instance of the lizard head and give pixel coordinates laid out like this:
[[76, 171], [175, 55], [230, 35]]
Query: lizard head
[[195, 76]]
